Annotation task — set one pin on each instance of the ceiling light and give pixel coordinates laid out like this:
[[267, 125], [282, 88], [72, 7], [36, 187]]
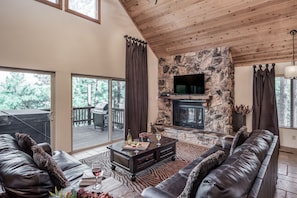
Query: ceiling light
[[291, 71]]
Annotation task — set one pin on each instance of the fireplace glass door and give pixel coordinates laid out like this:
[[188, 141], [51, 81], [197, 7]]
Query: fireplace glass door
[[188, 114]]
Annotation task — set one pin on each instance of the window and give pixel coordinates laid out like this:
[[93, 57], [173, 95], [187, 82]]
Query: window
[[25, 103], [88, 9], [54, 3], [286, 99]]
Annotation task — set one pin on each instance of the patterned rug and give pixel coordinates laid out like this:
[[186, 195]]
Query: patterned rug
[[185, 153]]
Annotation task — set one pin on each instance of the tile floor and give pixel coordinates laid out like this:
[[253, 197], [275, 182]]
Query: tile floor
[[287, 170], [88, 153], [287, 174]]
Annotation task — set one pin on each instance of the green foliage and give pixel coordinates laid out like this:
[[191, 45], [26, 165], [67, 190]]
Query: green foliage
[[20, 92], [286, 99], [98, 91], [28, 91], [60, 194]]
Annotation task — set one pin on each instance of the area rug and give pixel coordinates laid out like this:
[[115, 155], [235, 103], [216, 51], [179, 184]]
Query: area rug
[[185, 153]]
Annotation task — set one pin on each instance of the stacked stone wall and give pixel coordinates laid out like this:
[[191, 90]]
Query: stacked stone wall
[[218, 68]]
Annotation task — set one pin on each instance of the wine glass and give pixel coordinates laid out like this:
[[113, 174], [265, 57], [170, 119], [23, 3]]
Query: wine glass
[[158, 137], [96, 169], [136, 142]]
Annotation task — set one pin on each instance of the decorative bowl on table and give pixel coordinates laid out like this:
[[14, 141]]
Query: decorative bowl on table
[[144, 137]]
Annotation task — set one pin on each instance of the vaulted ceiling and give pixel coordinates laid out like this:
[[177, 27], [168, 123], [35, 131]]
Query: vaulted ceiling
[[257, 31]]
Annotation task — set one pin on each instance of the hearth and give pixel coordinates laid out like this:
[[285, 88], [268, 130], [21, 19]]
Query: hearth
[[188, 113]]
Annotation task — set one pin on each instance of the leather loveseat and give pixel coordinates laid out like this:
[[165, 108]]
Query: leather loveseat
[[248, 169], [22, 177]]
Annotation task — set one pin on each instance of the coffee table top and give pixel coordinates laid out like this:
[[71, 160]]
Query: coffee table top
[[118, 146]]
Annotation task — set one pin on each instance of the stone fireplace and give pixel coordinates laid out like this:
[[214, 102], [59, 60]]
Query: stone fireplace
[[211, 112], [188, 113]]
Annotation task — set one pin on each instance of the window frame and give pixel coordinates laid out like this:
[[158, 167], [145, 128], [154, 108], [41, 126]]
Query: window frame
[[55, 5], [98, 20], [292, 87]]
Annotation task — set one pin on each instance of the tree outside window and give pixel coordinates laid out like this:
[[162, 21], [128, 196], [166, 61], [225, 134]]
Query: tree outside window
[[88, 9], [286, 99]]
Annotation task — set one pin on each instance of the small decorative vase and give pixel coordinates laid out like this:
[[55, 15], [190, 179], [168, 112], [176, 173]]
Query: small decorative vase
[[238, 120]]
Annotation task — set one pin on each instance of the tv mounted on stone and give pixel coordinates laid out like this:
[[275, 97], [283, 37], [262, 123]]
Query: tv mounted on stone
[[189, 84]]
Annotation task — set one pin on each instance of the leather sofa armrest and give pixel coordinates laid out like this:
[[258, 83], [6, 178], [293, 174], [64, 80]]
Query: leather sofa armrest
[[152, 192], [3, 193], [46, 147]]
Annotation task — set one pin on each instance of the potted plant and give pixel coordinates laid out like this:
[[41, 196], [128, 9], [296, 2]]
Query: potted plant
[[239, 116]]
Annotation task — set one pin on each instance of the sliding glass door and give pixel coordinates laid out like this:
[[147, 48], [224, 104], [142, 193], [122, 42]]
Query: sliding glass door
[[97, 112], [118, 107]]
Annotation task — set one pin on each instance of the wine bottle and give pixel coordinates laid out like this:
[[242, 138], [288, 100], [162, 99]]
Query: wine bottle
[[129, 137]]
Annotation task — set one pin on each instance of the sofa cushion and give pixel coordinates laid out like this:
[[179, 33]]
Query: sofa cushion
[[71, 167], [234, 178], [200, 171], [225, 142], [45, 162], [257, 145], [264, 134], [19, 173], [185, 172], [173, 185], [239, 138], [7, 143], [25, 142]]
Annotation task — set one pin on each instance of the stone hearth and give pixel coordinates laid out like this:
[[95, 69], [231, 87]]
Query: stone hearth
[[192, 136], [218, 68]]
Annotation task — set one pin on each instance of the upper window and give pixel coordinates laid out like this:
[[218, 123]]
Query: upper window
[[54, 3], [286, 99], [88, 9]]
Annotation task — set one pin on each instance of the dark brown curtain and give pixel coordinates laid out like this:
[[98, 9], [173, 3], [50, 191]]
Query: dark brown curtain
[[264, 99], [136, 109]]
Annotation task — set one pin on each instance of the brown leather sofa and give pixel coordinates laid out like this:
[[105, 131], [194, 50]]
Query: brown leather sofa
[[20, 177], [249, 170]]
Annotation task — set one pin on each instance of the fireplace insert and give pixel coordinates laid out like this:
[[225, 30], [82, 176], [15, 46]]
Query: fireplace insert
[[188, 113]]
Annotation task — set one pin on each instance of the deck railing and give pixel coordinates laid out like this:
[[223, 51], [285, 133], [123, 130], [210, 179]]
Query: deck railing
[[118, 118], [83, 116]]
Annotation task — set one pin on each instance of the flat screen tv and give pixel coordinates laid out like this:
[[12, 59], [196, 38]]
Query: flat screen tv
[[189, 84]]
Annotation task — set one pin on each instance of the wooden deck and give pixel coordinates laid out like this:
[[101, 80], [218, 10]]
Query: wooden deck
[[88, 136]]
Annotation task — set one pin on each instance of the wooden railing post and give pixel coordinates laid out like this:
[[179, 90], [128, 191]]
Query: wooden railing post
[[89, 116]]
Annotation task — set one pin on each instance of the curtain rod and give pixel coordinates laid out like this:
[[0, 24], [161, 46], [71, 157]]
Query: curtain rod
[[260, 66], [267, 65], [135, 39]]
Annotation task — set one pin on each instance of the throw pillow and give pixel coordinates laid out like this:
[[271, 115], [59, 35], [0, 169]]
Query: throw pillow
[[25, 142], [200, 171], [45, 162], [239, 138]]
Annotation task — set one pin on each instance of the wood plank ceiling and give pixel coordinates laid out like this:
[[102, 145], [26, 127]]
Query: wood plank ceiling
[[257, 31]]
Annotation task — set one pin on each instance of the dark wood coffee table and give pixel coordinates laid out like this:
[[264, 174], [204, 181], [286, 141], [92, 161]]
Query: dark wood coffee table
[[136, 162]]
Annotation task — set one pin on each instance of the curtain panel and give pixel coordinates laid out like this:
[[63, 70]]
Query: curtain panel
[[264, 99], [136, 109]]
